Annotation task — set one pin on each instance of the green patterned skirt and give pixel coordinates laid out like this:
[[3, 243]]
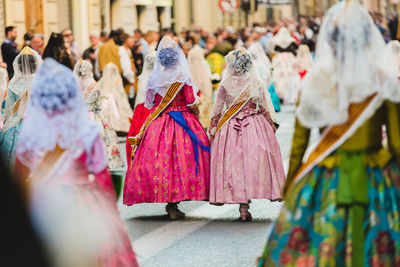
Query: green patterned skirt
[[318, 226]]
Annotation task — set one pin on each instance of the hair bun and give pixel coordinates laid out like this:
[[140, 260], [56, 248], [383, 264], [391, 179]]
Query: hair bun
[[168, 57]]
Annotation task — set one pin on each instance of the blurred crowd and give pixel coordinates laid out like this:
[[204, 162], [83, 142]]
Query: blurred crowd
[[66, 50], [128, 49]]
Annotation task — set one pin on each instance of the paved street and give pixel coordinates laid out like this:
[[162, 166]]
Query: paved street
[[210, 235]]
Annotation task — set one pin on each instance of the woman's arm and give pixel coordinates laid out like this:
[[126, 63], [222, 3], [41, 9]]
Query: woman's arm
[[216, 113], [299, 146], [393, 128]]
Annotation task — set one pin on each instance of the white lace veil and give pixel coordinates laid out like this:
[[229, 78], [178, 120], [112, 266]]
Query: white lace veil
[[111, 81], [115, 106], [148, 67], [200, 70], [262, 62], [304, 59], [171, 66], [84, 72], [349, 66], [25, 66], [392, 55], [264, 68], [56, 115], [282, 39], [239, 82]]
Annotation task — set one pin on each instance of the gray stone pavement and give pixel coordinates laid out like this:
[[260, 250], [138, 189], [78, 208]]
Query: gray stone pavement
[[210, 235]]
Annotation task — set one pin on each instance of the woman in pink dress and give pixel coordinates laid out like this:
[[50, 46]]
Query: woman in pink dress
[[62, 157], [171, 152], [246, 161]]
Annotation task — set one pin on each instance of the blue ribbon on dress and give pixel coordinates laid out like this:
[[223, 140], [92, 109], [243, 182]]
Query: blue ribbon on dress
[[180, 120]]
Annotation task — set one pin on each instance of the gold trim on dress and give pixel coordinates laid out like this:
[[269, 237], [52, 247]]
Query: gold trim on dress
[[232, 111], [173, 90], [334, 137]]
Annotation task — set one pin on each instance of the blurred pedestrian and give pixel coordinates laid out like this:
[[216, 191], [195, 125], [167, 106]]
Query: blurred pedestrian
[[73, 45], [25, 66], [27, 39], [59, 50], [128, 66], [115, 107], [37, 43], [138, 34], [103, 36], [91, 52], [138, 57], [211, 41], [186, 47], [264, 70], [304, 60], [285, 77], [94, 97], [109, 52], [150, 39], [9, 50], [202, 79]]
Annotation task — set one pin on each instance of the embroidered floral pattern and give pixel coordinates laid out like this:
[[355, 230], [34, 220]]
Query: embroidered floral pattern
[[163, 167], [322, 234]]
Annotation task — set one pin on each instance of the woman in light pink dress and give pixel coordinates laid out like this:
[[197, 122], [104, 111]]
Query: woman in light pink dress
[[62, 156], [171, 162], [246, 161]]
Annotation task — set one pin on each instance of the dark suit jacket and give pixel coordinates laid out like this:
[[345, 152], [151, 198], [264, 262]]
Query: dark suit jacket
[[9, 52]]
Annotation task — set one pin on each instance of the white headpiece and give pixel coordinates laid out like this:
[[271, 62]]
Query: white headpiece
[[262, 62], [349, 66], [392, 54], [200, 70], [239, 82], [171, 66], [111, 81], [115, 107], [304, 59], [148, 67], [84, 72], [56, 115], [282, 39], [25, 66], [263, 67]]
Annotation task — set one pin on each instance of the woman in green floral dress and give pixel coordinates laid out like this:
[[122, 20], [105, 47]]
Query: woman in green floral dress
[[342, 205]]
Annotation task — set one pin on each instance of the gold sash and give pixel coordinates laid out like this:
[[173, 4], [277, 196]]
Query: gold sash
[[44, 169], [23, 99], [232, 111], [335, 136], [47, 164], [173, 90]]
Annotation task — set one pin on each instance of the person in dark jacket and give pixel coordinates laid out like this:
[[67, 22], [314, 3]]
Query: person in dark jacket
[[9, 50]]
